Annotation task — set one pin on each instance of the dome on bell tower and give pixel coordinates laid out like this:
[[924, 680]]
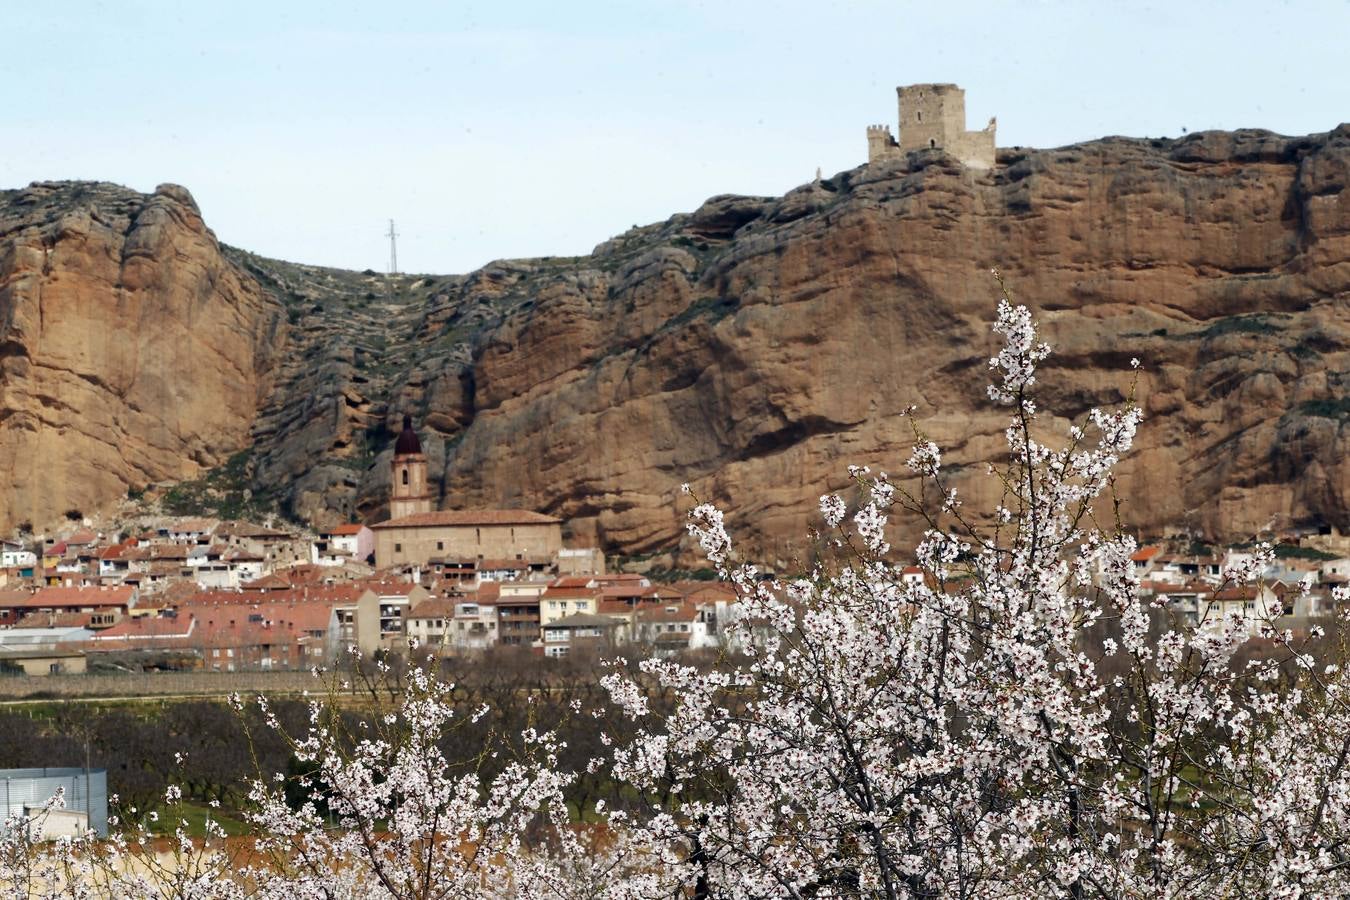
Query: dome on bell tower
[[407, 440]]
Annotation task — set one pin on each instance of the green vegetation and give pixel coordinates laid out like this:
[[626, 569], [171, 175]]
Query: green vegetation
[[1338, 409], [715, 308], [223, 492], [663, 575], [1291, 551], [1257, 323], [194, 816]]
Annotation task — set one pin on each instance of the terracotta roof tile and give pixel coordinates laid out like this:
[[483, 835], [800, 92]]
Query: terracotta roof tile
[[72, 596]]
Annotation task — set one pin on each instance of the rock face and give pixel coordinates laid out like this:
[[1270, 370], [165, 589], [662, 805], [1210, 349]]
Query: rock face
[[131, 351], [755, 363], [757, 346]]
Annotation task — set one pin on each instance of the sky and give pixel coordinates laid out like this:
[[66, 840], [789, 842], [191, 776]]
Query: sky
[[501, 129]]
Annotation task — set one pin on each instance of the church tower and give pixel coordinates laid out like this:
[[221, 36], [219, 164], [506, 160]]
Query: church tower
[[409, 492]]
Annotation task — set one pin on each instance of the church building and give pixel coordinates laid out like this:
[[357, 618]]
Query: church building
[[416, 534]]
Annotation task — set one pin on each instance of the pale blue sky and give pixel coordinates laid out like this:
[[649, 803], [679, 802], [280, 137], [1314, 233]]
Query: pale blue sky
[[499, 129]]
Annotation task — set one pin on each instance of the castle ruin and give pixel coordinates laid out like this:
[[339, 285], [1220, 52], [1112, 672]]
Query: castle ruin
[[933, 117]]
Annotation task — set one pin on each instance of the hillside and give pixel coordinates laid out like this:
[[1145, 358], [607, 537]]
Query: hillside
[[752, 348]]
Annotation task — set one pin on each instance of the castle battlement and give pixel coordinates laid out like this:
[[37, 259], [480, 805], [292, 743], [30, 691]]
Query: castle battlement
[[933, 117]]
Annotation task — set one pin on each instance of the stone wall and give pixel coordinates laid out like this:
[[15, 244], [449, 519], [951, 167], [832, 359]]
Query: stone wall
[[416, 544], [933, 117], [159, 684], [975, 149], [410, 494]]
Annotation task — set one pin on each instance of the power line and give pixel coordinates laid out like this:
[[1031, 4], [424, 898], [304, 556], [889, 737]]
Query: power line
[[393, 248]]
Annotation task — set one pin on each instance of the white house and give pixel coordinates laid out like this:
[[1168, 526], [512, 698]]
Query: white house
[[1336, 570], [13, 554], [341, 545], [1253, 604], [245, 565], [191, 531], [565, 635], [673, 627]]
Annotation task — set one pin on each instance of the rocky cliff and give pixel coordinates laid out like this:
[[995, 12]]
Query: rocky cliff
[[131, 350], [758, 345]]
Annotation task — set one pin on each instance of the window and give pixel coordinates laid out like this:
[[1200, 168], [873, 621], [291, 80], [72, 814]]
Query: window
[[932, 143], [478, 535], [440, 545], [405, 476], [918, 116], [398, 548]]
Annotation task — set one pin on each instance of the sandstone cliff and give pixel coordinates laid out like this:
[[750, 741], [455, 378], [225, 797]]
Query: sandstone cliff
[[131, 351], [758, 345]]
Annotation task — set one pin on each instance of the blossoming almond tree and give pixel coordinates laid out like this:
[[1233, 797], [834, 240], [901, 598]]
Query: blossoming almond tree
[[1004, 727]]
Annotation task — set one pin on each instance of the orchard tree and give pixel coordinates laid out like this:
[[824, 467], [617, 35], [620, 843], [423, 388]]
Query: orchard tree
[[967, 734]]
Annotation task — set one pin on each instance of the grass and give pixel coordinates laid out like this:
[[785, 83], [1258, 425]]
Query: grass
[[195, 815]]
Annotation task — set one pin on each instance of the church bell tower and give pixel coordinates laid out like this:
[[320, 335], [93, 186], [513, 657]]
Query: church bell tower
[[409, 493]]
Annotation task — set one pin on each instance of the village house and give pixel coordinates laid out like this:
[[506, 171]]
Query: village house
[[1253, 605], [454, 625], [672, 628], [568, 596], [113, 565], [1144, 558], [580, 561], [190, 531], [1335, 571], [431, 624], [52, 554], [342, 545], [518, 612], [242, 637], [376, 621], [115, 601], [43, 661], [568, 635], [475, 625], [13, 554]]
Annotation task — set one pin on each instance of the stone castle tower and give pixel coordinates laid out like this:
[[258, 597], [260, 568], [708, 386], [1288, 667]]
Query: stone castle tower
[[933, 117], [409, 491]]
